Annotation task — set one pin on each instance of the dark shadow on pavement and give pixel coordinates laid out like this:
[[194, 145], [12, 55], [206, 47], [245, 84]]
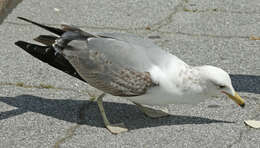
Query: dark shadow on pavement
[[86, 112], [7, 7], [246, 83]]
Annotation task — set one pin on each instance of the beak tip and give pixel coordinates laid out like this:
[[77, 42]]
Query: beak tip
[[242, 105]]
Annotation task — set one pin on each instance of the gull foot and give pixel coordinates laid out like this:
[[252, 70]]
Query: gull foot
[[117, 128]]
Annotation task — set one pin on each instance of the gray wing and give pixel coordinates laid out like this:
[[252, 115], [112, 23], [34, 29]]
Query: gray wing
[[112, 72], [115, 66], [154, 53]]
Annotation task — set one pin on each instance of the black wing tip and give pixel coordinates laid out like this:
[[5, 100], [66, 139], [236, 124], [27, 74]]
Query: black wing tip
[[29, 47], [51, 29], [21, 44], [27, 20], [22, 18]]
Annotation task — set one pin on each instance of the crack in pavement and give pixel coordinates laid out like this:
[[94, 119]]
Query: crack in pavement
[[69, 134], [186, 2], [40, 86], [185, 9], [205, 35], [167, 20], [71, 131], [44, 86], [21, 84]]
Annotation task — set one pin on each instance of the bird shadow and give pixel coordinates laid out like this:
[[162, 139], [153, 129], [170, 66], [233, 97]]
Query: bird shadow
[[86, 112], [246, 83]]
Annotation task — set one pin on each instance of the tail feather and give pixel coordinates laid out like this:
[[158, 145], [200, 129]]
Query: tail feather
[[46, 39], [80, 32], [51, 29], [47, 55]]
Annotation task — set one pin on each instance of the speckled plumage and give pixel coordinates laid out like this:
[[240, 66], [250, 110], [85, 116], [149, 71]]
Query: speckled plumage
[[112, 78]]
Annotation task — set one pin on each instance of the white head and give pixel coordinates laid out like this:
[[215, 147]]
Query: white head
[[215, 81]]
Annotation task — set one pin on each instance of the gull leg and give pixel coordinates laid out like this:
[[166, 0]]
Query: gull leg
[[113, 128], [92, 96], [92, 99], [153, 113]]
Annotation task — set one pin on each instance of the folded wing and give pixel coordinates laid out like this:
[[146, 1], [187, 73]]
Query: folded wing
[[109, 64]]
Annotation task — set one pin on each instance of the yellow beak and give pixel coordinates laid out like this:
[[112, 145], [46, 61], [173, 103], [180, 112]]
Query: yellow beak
[[236, 98]]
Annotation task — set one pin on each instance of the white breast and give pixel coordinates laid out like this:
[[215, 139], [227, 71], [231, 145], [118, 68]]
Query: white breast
[[175, 87], [158, 96]]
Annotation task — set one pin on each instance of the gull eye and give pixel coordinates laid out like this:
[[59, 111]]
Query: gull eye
[[222, 86]]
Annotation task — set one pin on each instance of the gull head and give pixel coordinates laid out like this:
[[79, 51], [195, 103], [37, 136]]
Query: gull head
[[216, 81]]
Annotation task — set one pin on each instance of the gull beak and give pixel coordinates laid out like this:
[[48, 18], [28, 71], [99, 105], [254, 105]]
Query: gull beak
[[236, 98]]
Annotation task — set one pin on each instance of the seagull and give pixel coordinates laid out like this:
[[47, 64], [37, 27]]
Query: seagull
[[130, 67]]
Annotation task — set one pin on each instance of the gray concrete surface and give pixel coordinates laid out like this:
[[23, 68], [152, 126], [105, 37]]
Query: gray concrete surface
[[43, 107]]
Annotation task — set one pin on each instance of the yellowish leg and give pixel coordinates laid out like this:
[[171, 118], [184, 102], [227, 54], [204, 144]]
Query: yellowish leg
[[92, 99], [113, 128], [150, 112]]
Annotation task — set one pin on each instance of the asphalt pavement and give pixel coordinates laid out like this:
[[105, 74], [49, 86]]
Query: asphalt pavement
[[43, 107]]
